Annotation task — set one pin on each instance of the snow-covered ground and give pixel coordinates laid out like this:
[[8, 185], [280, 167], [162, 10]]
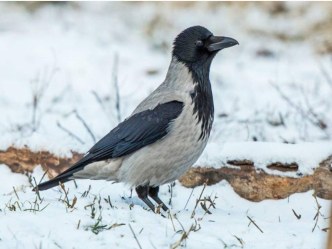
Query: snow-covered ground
[[93, 222], [59, 66], [306, 155]]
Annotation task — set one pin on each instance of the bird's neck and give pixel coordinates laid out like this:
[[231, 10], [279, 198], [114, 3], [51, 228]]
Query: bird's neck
[[194, 78], [202, 97]]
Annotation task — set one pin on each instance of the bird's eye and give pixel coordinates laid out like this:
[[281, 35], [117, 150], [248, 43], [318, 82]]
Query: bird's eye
[[199, 44]]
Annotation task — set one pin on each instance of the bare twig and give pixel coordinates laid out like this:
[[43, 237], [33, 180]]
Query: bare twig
[[41, 179], [37, 190], [98, 98], [101, 103], [318, 121], [139, 245], [311, 118], [191, 193], [318, 213], [170, 215], [69, 133], [198, 200], [85, 125], [253, 222], [207, 209], [115, 83], [39, 87], [176, 218]]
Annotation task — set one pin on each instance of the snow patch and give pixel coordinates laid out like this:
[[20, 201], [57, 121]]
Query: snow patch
[[306, 155]]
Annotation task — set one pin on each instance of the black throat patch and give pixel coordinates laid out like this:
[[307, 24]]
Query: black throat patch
[[202, 97]]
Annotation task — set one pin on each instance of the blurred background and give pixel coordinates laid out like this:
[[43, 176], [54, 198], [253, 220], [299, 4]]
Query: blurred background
[[67, 62], [70, 71]]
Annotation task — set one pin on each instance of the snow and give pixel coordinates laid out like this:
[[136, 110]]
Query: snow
[[268, 108], [68, 60], [15, 179], [57, 225], [306, 155]]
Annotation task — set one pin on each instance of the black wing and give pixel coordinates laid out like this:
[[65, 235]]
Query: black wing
[[137, 131]]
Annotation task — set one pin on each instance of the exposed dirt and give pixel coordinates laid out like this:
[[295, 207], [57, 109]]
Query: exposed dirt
[[24, 160], [245, 179]]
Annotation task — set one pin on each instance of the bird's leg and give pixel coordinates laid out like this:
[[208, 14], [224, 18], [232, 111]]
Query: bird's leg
[[153, 192], [142, 192]]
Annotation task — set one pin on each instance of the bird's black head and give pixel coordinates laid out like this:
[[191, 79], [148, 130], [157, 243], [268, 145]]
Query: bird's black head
[[198, 45]]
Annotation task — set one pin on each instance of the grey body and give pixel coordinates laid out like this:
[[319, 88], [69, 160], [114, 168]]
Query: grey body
[[168, 158]]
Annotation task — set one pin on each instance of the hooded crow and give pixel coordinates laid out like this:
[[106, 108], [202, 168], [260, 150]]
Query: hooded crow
[[168, 130]]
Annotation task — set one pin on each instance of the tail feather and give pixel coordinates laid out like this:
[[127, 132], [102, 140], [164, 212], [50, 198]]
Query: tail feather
[[51, 183], [64, 176]]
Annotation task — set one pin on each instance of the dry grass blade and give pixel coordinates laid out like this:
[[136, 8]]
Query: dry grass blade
[[191, 193], [203, 205], [298, 216], [73, 202], [171, 217], [18, 198], [198, 200], [66, 198], [139, 245], [41, 179], [253, 222], [240, 240], [86, 192], [184, 236], [117, 225], [37, 190], [318, 213]]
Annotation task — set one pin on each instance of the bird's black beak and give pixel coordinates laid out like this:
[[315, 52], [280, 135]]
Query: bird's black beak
[[216, 43]]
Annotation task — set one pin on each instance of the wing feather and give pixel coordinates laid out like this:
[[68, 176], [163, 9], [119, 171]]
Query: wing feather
[[139, 130]]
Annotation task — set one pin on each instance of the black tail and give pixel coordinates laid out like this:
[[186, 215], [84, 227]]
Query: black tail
[[51, 183], [64, 176]]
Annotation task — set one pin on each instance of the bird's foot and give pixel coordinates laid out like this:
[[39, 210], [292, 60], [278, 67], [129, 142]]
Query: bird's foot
[[144, 191], [153, 193]]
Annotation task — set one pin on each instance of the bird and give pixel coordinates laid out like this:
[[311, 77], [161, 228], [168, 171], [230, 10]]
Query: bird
[[166, 133]]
